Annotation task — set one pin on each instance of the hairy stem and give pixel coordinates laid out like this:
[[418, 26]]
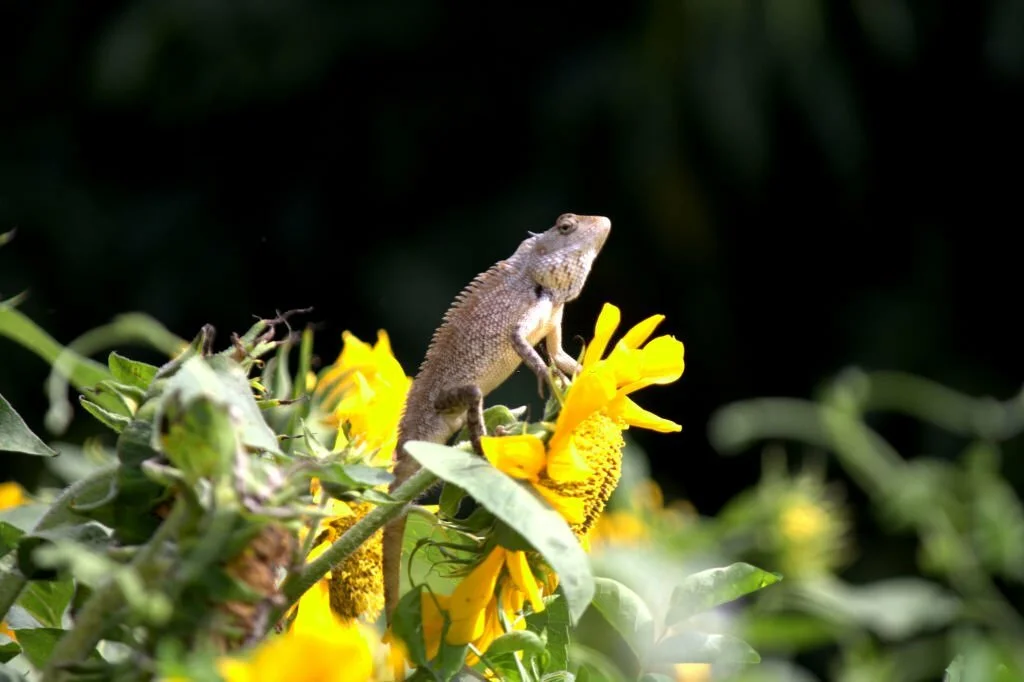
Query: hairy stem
[[298, 583], [107, 600]]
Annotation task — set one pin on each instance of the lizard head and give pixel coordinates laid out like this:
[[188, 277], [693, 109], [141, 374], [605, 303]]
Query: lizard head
[[560, 258]]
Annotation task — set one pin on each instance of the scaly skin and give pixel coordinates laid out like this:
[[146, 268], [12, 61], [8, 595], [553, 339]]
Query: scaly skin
[[490, 328]]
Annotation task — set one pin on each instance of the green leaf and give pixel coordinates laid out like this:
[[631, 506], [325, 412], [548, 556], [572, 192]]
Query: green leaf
[[627, 613], [38, 645], [514, 504], [705, 590], [558, 676], [131, 372], [789, 632], [77, 462], [90, 535], [24, 517], [517, 640], [495, 417], [198, 437], [450, 659], [595, 665], [82, 372], [507, 668], [408, 626], [701, 647], [352, 476], [13, 301], [9, 674], [275, 374], [982, 658], [223, 380], [18, 618], [15, 436], [108, 418], [127, 503], [451, 498], [128, 397], [426, 563], [955, 670], [8, 649], [9, 535], [46, 601], [556, 624]]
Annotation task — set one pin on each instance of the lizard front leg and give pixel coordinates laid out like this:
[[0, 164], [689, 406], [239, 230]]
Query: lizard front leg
[[531, 358], [553, 343], [471, 399]]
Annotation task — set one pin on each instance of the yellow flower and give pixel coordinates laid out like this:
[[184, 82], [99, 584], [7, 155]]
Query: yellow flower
[[496, 589], [580, 466], [319, 647], [365, 388], [636, 364], [580, 483], [692, 672], [619, 527], [576, 472], [524, 457], [802, 521], [471, 596], [11, 495], [811, 529], [643, 517], [355, 586]]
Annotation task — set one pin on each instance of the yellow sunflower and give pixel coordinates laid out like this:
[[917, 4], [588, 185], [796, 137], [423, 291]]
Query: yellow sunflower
[[575, 471], [355, 586], [495, 591], [579, 467], [319, 646], [11, 495], [365, 388]]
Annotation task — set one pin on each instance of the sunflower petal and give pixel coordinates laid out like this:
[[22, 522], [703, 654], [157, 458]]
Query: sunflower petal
[[522, 577], [627, 364], [641, 331], [570, 508], [520, 456], [471, 597], [565, 464], [591, 391], [431, 606], [607, 323], [625, 409], [663, 359], [660, 362]]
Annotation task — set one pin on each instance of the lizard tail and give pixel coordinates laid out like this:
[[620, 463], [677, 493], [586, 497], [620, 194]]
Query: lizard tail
[[394, 532]]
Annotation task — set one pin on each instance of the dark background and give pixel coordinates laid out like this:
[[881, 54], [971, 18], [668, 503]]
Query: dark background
[[799, 185]]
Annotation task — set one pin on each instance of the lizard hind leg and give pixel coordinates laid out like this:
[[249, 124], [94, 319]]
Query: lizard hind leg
[[471, 399]]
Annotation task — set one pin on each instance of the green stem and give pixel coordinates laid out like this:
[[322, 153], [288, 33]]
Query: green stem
[[106, 601], [934, 403], [870, 460], [297, 584], [11, 584]]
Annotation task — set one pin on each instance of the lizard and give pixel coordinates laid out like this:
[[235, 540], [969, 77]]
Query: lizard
[[492, 326]]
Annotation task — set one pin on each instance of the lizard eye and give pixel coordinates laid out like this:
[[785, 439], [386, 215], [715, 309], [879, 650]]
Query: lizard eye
[[565, 224]]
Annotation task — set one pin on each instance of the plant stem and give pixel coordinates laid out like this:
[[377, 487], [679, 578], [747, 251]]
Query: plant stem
[[298, 583], [81, 640], [11, 584]]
